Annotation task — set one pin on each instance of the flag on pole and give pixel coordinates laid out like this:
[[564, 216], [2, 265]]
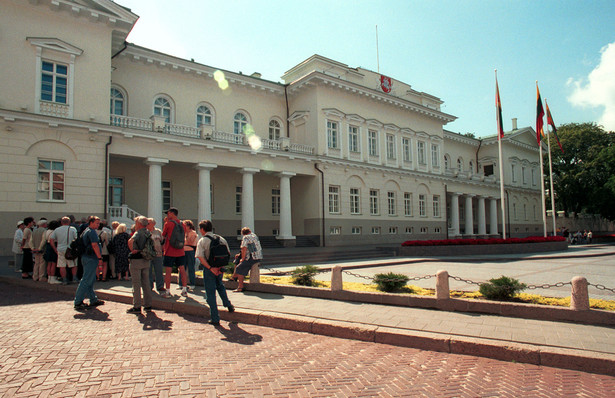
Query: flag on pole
[[498, 110], [552, 124], [540, 113]]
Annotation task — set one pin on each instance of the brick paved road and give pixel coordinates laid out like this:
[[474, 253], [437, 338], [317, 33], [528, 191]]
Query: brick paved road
[[46, 349]]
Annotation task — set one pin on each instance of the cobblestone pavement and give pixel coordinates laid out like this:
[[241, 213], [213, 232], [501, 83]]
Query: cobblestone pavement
[[47, 349]]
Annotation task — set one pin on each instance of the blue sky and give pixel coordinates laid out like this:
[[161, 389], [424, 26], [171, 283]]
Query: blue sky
[[447, 48]]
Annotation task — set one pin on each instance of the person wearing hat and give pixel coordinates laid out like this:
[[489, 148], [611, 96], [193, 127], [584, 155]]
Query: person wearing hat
[[26, 245], [38, 243], [17, 252]]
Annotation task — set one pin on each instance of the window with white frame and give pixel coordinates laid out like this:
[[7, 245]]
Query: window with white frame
[[332, 138], [116, 191], [512, 171], [435, 155], [355, 201], [422, 206], [408, 204], [353, 139], [374, 208], [117, 105], [335, 230], [372, 142], [162, 107], [406, 149], [488, 169], [240, 122], [356, 230], [533, 177], [54, 82], [409, 230], [274, 130], [437, 230], [50, 180], [523, 175], [471, 166], [334, 199], [238, 193], [459, 165], [392, 230], [420, 151], [275, 201], [447, 162], [424, 230], [390, 146], [375, 230], [203, 116], [436, 205], [167, 194], [392, 205]]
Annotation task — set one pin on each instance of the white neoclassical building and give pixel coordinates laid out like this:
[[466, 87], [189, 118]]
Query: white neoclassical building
[[335, 155]]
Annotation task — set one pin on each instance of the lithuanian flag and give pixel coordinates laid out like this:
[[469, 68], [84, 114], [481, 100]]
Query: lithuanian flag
[[540, 113], [498, 110], [552, 124]]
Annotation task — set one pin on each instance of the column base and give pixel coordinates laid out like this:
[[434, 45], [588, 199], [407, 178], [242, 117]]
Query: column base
[[287, 241]]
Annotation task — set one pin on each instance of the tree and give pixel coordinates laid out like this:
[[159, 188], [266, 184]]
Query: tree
[[584, 175]]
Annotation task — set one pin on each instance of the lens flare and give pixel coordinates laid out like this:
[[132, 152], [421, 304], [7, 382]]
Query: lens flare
[[255, 142], [267, 165], [222, 82]]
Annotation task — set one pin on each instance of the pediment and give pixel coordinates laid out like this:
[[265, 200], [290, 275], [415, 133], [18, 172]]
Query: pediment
[[54, 45]]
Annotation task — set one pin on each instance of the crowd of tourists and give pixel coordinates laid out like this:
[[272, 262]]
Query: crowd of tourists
[[141, 253]]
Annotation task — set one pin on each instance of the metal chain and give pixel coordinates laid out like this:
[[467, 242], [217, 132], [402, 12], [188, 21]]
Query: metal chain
[[371, 278], [468, 281], [601, 287], [548, 286]]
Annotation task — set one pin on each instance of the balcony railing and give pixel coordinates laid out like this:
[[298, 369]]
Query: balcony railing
[[205, 133]]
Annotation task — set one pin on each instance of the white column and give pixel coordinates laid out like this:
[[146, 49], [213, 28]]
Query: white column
[[469, 216], [493, 216], [482, 223], [154, 197], [204, 199], [247, 198], [455, 213], [286, 231]]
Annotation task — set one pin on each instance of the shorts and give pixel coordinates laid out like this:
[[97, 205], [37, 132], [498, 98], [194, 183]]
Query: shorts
[[244, 267], [63, 262], [171, 261]]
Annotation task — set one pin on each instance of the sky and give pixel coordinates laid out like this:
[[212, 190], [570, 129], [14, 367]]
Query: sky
[[446, 48]]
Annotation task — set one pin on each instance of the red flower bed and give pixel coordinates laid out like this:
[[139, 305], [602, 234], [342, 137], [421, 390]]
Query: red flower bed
[[492, 241]]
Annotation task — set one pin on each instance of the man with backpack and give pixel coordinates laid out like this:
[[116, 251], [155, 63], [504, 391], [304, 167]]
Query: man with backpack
[[213, 254], [141, 245], [173, 234], [91, 259], [59, 240]]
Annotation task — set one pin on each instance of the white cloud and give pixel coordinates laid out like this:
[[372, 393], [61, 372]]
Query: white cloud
[[598, 89]]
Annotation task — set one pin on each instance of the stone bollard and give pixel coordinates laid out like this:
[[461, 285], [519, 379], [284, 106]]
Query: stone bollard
[[442, 289], [255, 273], [579, 300], [336, 279]]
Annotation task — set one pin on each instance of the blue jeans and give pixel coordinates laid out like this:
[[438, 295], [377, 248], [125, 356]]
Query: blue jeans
[[213, 283], [86, 286], [156, 274], [190, 262]]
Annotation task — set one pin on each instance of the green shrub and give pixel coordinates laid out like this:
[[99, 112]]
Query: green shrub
[[390, 282], [502, 288], [304, 276]]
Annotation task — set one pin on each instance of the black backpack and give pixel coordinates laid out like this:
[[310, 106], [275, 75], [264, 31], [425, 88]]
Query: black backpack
[[219, 255], [177, 237], [77, 248]]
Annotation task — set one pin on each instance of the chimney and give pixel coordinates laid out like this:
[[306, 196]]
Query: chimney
[[514, 123]]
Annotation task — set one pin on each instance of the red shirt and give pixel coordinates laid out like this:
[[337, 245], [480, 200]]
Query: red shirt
[[169, 250]]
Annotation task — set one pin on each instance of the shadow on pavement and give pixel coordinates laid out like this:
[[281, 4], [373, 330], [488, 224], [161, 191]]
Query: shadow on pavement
[[93, 314], [151, 321], [235, 334], [19, 296]]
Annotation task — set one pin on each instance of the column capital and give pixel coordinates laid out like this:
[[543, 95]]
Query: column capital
[[248, 170], [156, 161], [286, 174], [456, 193], [469, 195], [205, 166]]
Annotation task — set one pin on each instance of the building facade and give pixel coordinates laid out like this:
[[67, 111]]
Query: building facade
[[334, 155]]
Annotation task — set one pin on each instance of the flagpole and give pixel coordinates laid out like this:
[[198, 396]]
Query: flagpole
[[551, 177], [502, 197], [377, 51], [542, 181]]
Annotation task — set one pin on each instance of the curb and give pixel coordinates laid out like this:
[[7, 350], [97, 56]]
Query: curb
[[564, 358]]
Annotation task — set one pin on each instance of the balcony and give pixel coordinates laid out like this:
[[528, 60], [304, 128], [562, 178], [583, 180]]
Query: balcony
[[155, 124]]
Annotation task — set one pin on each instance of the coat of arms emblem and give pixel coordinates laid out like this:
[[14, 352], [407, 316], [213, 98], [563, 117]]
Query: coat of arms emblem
[[385, 83]]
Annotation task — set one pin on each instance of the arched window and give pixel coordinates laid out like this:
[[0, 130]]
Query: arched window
[[471, 167], [203, 116], [447, 162], [162, 107], [274, 130], [240, 121], [459, 165], [117, 102]]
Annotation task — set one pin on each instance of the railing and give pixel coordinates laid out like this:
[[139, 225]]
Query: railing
[[122, 212], [54, 109], [184, 131], [132, 123]]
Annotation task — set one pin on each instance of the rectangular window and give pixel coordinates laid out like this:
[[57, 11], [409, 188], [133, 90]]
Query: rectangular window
[[392, 230], [421, 153], [116, 191], [166, 195], [523, 175], [54, 82], [512, 170], [50, 180], [335, 231], [238, 192], [488, 170], [332, 140], [391, 146], [334, 199], [422, 206], [423, 230], [356, 230], [375, 230], [373, 202], [436, 205], [355, 201], [211, 198], [408, 204], [533, 177], [353, 139], [435, 155], [409, 230], [373, 142], [391, 203], [275, 202], [406, 149]]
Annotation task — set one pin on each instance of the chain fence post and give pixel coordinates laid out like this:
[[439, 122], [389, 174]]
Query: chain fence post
[[255, 273], [442, 287], [336, 279], [579, 300]]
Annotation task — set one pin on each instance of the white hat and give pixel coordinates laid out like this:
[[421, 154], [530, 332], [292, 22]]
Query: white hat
[[19, 223]]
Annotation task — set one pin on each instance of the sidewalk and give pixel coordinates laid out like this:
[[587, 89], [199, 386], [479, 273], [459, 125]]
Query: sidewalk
[[558, 344]]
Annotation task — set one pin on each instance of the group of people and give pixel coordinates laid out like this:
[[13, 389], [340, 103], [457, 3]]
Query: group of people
[[578, 238], [120, 252]]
